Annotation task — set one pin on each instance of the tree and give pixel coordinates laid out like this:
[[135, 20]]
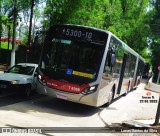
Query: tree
[[30, 15], [155, 37], [15, 13], [125, 18], [58, 12], [134, 26], [0, 22], [13, 9]]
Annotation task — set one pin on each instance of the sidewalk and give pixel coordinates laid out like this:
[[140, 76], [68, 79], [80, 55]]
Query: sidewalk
[[142, 123], [153, 87]]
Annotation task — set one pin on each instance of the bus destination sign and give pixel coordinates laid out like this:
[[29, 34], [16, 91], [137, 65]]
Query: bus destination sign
[[79, 33]]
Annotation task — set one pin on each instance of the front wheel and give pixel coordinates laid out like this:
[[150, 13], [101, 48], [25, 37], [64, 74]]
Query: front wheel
[[127, 89], [110, 97]]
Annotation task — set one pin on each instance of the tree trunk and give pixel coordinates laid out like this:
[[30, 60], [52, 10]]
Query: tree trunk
[[8, 56], [0, 25], [30, 25], [30, 28], [14, 35]]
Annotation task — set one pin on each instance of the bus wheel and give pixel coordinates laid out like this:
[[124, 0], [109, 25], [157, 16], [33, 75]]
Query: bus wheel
[[110, 97], [138, 82], [127, 89], [27, 91]]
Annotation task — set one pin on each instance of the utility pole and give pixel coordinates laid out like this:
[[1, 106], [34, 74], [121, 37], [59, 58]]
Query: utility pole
[[158, 108], [158, 113]]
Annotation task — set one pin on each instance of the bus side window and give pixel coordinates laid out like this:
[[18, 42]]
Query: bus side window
[[110, 62]]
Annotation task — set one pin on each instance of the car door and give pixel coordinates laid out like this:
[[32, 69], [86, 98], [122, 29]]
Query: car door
[[34, 85]]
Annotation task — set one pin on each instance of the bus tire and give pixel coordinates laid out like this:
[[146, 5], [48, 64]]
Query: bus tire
[[111, 96], [138, 82], [127, 89]]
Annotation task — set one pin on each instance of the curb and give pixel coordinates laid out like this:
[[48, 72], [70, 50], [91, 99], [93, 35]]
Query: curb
[[142, 124]]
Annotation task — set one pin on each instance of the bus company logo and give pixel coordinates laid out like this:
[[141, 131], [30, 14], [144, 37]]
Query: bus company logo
[[148, 98], [51, 84], [21, 130], [6, 130]]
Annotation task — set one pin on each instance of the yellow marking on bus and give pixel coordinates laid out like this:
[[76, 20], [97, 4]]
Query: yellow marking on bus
[[82, 74]]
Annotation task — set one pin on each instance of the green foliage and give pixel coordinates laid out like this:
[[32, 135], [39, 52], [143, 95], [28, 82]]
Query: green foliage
[[4, 45], [57, 12], [125, 18], [128, 19], [155, 36]]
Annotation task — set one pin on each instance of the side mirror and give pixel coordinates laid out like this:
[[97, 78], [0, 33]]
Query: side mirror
[[35, 74], [113, 59]]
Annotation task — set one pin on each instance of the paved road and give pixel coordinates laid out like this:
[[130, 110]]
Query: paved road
[[44, 111], [10, 98]]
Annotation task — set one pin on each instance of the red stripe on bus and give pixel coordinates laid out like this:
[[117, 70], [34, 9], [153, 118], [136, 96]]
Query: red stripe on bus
[[65, 86]]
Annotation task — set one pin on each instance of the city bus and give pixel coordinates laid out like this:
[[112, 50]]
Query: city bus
[[86, 65]]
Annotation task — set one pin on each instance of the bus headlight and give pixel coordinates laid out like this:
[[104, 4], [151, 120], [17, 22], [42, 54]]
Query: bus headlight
[[89, 90]]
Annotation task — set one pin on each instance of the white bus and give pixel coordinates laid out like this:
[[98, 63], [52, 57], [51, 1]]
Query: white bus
[[87, 65]]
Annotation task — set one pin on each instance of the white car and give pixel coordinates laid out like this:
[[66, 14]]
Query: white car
[[21, 77]]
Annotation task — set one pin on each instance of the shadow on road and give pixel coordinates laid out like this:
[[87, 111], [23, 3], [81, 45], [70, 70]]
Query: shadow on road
[[46, 104], [13, 98], [66, 108]]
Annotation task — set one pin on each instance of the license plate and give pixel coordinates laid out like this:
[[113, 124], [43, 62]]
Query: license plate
[[60, 96], [3, 86]]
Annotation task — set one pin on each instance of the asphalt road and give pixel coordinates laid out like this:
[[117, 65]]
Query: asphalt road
[[9, 98], [44, 111]]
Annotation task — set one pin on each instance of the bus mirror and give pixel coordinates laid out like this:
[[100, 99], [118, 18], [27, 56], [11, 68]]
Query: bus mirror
[[113, 59]]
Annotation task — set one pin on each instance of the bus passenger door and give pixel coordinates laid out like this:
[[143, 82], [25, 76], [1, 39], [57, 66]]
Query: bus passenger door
[[122, 74]]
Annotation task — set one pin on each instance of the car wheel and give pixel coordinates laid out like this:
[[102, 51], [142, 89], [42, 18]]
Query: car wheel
[[27, 91]]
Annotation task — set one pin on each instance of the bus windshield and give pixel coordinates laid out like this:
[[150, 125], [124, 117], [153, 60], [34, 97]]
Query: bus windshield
[[72, 60]]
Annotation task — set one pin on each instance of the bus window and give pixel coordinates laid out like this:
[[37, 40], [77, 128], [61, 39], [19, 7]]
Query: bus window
[[72, 60], [146, 70], [114, 58]]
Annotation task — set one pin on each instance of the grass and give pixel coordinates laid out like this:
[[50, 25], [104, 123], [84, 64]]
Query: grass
[[4, 45]]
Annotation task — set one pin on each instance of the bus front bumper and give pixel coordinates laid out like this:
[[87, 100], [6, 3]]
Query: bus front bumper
[[78, 98]]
